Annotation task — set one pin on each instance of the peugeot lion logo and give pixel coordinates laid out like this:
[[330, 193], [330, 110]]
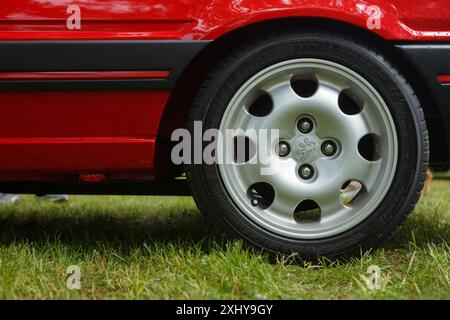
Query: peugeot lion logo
[[305, 150]]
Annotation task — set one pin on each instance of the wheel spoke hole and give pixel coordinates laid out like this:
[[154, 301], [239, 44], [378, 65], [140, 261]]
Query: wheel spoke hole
[[305, 86], [349, 103], [351, 191], [243, 149], [307, 211], [261, 106], [261, 195], [368, 147]]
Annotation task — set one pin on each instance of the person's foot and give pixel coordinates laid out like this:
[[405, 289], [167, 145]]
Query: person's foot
[[8, 198], [55, 197]]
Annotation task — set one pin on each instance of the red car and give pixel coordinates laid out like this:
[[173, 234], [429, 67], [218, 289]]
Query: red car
[[93, 92]]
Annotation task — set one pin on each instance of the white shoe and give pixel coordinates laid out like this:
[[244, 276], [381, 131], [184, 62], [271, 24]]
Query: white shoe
[[7, 198], [55, 197]]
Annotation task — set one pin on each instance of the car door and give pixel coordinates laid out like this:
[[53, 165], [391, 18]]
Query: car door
[[83, 84]]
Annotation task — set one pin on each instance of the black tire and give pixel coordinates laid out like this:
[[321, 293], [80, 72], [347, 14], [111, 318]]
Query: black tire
[[223, 82]]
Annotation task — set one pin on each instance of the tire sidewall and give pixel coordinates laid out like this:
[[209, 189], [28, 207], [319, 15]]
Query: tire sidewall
[[210, 193]]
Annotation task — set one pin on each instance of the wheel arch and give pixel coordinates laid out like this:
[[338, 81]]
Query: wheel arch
[[190, 81]]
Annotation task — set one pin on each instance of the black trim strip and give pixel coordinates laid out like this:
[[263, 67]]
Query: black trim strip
[[156, 187], [432, 60], [48, 56], [86, 85]]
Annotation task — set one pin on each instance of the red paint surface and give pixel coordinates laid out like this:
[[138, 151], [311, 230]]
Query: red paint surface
[[444, 79], [80, 114], [81, 75], [60, 132], [206, 19], [76, 154], [92, 178]]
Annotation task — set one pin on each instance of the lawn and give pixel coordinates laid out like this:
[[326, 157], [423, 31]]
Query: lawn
[[159, 248]]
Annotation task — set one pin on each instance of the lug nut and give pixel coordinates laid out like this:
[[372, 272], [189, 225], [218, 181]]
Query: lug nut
[[283, 149], [305, 125], [328, 148], [306, 171]]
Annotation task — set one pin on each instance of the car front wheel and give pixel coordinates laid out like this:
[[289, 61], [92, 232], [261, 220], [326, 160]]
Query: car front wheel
[[350, 154]]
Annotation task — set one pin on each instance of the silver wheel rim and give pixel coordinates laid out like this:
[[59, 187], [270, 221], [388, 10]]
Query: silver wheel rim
[[330, 173]]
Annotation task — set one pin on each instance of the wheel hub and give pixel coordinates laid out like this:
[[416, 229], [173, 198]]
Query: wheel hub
[[306, 148]]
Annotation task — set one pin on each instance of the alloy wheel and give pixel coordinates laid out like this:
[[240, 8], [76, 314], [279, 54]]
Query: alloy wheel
[[336, 154]]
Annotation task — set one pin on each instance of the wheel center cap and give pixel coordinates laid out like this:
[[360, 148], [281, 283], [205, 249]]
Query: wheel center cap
[[306, 148]]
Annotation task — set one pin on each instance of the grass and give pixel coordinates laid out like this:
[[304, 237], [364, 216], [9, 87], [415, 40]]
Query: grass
[[159, 248]]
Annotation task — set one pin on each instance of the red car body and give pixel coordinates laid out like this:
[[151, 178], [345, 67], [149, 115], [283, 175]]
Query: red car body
[[97, 104]]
